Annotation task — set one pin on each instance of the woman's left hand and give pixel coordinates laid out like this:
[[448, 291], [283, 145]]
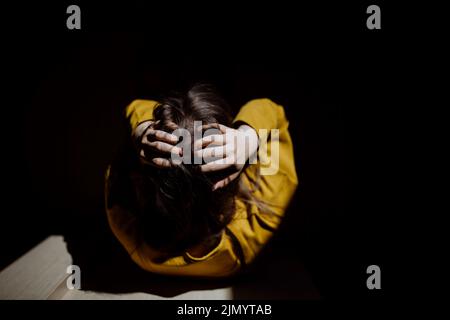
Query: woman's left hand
[[228, 149]]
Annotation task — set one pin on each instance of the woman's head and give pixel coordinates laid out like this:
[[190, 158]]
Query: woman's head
[[177, 207]]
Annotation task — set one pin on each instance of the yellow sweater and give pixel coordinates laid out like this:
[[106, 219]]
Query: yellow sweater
[[249, 230]]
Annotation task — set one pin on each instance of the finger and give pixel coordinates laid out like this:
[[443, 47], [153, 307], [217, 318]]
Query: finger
[[156, 162], [162, 162], [172, 125], [161, 136], [209, 132], [214, 139], [164, 147], [220, 127], [225, 182], [214, 152], [216, 165], [142, 128]]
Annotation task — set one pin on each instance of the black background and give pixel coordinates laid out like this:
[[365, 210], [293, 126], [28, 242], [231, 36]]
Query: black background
[[64, 92]]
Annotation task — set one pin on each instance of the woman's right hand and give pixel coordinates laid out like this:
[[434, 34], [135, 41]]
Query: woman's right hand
[[155, 146]]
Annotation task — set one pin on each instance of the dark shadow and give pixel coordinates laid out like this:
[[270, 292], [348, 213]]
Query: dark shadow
[[106, 266], [276, 274], [281, 271]]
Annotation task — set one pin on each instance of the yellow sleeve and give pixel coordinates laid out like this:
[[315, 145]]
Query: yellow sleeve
[[252, 226], [264, 114], [139, 111]]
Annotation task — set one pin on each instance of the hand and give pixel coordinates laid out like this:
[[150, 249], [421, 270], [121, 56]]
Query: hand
[[227, 149], [156, 146]]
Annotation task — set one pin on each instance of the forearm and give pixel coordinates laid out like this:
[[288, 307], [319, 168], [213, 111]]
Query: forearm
[[250, 143]]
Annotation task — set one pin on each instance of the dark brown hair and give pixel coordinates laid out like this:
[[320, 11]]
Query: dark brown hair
[[177, 207]]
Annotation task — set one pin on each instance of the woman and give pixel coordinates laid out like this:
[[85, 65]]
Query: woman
[[177, 215]]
